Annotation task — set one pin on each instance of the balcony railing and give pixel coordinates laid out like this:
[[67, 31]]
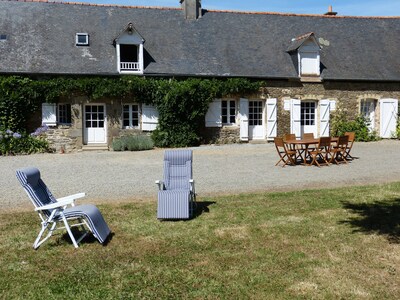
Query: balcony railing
[[130, 66]]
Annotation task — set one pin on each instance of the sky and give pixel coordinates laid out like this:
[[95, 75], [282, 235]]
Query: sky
[[342, 7]]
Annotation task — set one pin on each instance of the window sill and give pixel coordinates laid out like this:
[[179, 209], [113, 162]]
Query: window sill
[[310, 78], [130, 72]]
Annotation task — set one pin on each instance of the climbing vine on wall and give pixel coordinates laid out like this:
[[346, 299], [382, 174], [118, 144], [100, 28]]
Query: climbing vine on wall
[[182, 103]]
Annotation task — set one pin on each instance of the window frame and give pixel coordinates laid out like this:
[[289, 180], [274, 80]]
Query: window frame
[[369, 115], [130, 119], [229, 115], [67, 114], [86, 35]]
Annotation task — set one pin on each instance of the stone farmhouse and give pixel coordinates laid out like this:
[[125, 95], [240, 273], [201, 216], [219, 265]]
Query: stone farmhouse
[[313, 65]]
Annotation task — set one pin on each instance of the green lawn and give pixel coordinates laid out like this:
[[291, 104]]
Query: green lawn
[[320, 244]]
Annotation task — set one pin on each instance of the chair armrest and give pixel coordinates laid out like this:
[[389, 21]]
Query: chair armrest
[[61, 202], [73, 197], [160, 184], [55, 205]]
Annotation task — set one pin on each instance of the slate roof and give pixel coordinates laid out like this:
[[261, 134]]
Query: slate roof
[[41, 40]]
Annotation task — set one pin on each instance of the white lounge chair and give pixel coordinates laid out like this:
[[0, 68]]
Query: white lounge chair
[[53, 211]]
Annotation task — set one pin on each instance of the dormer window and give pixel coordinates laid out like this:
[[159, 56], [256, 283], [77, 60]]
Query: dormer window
[[3, 37], [309, 60], [129, 47], [305, 53], [82, 39]]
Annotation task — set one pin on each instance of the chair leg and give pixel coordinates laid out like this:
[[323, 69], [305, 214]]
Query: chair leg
[[69, 232], [45, 226]]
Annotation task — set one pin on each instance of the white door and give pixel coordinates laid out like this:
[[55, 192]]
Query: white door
[[389, 110], [95, 124], [256, 120], [368, 112], [308, 117]]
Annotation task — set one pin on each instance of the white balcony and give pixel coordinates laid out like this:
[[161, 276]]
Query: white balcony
[[130, 66]]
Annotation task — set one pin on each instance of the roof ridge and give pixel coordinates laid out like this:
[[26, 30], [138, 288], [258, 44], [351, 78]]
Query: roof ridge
[[96, 5], [300, 15], [208, 10]]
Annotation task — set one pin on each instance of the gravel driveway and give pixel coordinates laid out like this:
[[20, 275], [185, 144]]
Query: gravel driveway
[[228, 169]]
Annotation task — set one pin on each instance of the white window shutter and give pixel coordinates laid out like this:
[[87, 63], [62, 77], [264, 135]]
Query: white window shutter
[[271, 118], [49, 114], [244, 119], [295, 117], [324, 109], [309, 63], [388, 117], [213, 115], [149, 117]]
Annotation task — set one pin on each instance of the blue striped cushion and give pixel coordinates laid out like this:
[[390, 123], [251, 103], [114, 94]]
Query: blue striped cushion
[[177, 169], [173, 204], [37, 190]]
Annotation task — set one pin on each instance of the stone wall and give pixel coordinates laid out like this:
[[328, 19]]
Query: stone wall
[[64, 139], [346, 94], [221, 135]]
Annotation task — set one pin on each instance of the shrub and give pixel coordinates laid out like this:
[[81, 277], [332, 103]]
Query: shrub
[[360, 125], [16, 143], [133, 143], [397, 132]]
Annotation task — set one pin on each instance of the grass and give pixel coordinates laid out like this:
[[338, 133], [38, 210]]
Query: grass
[[320, 244]]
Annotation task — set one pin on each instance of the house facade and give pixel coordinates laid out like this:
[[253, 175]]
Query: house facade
[[313, 66]]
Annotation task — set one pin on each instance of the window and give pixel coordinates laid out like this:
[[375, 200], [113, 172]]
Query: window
[[307, 113], [130, 116], [309, 63], [129, 50], [255, 113], [228, 112], [3, 37], [130, 58], [367, 110], [82, 39], [64, 113]]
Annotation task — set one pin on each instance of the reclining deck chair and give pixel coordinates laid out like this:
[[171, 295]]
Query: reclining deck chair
[[176, 195], [53, 211]]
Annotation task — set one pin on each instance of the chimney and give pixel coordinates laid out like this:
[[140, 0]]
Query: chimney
[[330, 12], [191, 9]]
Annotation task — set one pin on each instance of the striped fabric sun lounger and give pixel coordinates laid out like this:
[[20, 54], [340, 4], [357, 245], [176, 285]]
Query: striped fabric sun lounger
[[176, 195], [63, 210]]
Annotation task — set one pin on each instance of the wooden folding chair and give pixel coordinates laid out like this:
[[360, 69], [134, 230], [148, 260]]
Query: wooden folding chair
[[338, 152], [352, 137], [289, 137], [287, 156], [307, 136], [322, 151]]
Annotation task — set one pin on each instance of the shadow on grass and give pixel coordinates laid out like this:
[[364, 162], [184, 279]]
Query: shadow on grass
[[202, 207], [380, 217], [88, 239]]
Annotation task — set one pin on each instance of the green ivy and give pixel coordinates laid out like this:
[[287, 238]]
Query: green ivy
[[182, 104]]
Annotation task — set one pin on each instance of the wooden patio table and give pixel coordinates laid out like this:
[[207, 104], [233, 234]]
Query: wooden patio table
[[306, 143]]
